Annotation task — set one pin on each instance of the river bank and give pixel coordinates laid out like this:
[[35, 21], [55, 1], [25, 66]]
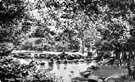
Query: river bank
[[76, 64]]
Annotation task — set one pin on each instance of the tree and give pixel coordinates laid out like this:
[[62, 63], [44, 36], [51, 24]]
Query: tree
[[12, 13], [67, 15], [16, 22], [114, 20], [116, 23]]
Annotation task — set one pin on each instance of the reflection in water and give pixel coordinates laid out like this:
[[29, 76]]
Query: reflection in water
[[65, 66], [72, 72], [58, 61], [58, 66], [67, 71], [50, 65]]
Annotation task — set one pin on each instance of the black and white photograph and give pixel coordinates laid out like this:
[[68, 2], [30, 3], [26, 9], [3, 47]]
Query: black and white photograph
[[67, 40]]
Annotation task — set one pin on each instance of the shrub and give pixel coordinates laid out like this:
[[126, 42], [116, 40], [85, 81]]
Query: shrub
[[10, 68]]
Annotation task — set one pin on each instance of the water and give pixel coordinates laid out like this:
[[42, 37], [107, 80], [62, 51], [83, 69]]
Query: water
[[66, 71]]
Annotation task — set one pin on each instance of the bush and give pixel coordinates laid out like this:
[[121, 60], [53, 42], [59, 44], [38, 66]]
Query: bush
[[10, 68]]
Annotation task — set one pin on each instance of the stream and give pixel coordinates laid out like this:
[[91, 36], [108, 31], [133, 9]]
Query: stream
[[66, 71]]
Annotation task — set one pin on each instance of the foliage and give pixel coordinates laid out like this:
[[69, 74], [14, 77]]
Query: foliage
[[15, 26], [74, 46], [115, 24], [63, 21], [38, 44], [13, 13], [11, 68], [114, 20], [11, 10], [64, 24]]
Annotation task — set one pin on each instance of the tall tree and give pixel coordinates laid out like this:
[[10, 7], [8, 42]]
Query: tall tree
[[68, 15], [11, 15], [116, 27]]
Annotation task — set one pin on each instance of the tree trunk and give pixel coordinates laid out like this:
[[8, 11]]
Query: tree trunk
[[81, 46], [118, 54], [128, 65]]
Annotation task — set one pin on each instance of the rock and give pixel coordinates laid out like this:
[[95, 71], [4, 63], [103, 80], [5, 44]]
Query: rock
[[82, 60], [75, 60], [111, 81], [42, 63], [94, 67], [93, 64], [65, 61], [91, 80], [116, 77], [79, 79], [94, 77], [58, 61], [100, 80], [70, 57], [104, 61], [85, 73]]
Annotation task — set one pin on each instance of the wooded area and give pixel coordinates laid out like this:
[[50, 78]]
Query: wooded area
[[107, 26]]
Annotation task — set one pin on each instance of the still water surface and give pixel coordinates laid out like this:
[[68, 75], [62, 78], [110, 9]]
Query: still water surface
[[67, 71]]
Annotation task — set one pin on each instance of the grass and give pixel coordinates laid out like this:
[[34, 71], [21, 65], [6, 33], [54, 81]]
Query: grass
[[105, 71]]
